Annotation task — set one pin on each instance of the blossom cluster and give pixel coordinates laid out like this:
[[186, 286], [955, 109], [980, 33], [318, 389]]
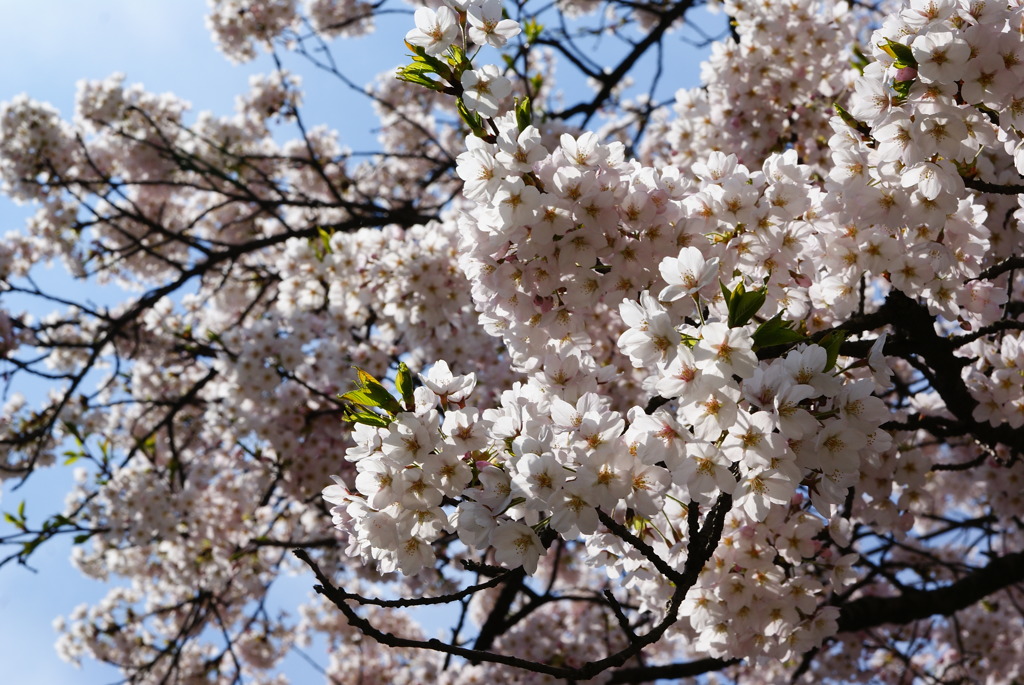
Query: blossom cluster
[[927, 116], [742, 378], [540, 463], [565, 231], [771, 85], [239, 26]]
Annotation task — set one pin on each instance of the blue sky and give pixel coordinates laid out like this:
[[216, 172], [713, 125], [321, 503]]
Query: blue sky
[[46, 46]]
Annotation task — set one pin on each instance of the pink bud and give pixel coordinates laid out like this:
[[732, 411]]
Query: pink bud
[[906, 74]]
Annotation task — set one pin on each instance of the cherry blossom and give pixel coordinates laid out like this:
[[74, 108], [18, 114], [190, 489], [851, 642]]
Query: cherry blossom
[[435, 30], [487, 26], [718, 387], [484, 90]]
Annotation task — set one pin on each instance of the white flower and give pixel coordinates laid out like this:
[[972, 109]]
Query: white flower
[[880, 369], [605, 478], [495, 492], [940, 57], [447, 472], [718, 167], [474, 524], [651, 338], [517, 202], [464, 430], [758, 489], [448, 387], [686, 274], [921, 14], [683, 379], [414, 555], [932, 178], [515, 545], [582, 151], [487, 26], [649, 483], [338, 493], [726, 351], [434, 31], [480, 171], [484, 89], [572, 513], [519, 151], [539, 476], [859, 407], [748, 439], [377, 528], [376, 480], [410, 438], [843, 574], [836, 448], [703, 472], [416, 490]]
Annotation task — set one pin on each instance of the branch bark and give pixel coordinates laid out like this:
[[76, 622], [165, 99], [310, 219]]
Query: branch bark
[[871, 612]]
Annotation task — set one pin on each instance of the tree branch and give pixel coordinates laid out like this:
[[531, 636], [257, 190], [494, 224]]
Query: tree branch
[[868, 612]]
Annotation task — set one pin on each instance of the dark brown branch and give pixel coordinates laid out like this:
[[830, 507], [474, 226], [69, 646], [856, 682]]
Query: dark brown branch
[[996, 327], [1002, 267], [868, 612], [690, 669], [612, 79], [494, 626], [588, 670], [663, 566], [916, 340], [994, 188], [700, 551], [871, 612]]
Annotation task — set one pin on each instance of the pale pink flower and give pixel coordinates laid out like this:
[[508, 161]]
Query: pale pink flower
[[435, 30]]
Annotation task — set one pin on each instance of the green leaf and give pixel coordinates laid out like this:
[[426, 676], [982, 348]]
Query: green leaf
[[360, 397], [746, 307], [524, 113], [419, 54], [371, 393], [848, 119], [455, 54], [82, 537], [457, 60], [418, 68], [368, 418], [325, 240], [860, 60], [473, 120], [727, 294], [689, 340], [74, 431], [532, 30], [776, 331], [831, 342], [404, 74], [403, 381], [902, 54], [902, 88], [56, 521], [742, 304]]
